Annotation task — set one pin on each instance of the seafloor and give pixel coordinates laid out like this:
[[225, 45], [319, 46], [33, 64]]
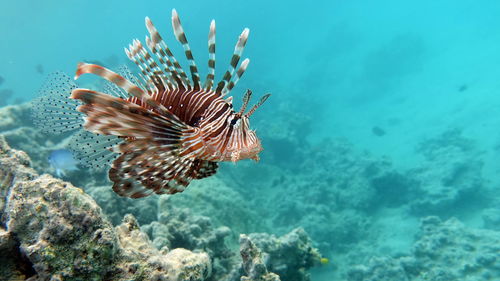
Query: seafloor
[[307, 212]]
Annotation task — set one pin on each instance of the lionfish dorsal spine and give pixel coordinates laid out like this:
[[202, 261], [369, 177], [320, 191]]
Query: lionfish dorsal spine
[[172, 77], [211, 57], [181, 37], [163, 53], [149, 68], [235, 79], [238, 51]]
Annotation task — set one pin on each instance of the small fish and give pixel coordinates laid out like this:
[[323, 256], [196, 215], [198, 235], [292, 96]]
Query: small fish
[[161, 129], [376, 130], [2, 80], [62, 160], [324, 261], [463, 88]]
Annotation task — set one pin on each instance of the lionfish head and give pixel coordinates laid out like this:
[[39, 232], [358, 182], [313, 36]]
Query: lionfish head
[[244, 143]]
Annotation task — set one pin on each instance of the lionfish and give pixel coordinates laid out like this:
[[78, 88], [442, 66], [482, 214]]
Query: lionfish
[[157, 130]]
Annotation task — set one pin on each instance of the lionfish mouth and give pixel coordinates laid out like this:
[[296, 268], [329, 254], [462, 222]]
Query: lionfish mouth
[[160, 129]]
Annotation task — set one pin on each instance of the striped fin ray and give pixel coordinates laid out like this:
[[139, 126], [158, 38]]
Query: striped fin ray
[[94, 150], [238, 50], [109, 115], [181, 37], [121, 82], [203, 168], [53, 111], [144, 168], [149, 68], [235, 79], [113, 89], [171, 74], [211, 57], [158, 46]]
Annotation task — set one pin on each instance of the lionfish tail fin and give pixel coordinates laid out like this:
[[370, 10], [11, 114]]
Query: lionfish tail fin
[[53, 111], [257, 105]]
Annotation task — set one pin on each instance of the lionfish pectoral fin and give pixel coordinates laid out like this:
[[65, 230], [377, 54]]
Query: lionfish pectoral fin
[[53, 111], [146, 167], [95, 151], [110, 115]]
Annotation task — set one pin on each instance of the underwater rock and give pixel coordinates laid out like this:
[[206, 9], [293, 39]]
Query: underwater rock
[[444, 251], [15, 116], [141, 258], [289, 256], [58, 231], [50, 229], [252, 262], [116, 207], [179, 228], [450, 177]]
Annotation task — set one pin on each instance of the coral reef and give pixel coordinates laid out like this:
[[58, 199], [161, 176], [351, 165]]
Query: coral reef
[[179, 228], [51, 229], [444, 251], [289, 256], [55, 230], [116, 207], [252, 262], [177, 264], [450, 177]]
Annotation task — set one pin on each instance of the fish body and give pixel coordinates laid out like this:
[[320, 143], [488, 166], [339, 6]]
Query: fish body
[[166, 128], [62, 160]]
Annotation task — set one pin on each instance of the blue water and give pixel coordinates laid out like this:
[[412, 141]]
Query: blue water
[[357, 64], [413, 69]]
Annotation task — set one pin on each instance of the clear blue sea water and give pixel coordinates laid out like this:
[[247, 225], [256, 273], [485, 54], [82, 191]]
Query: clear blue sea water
[[411, 68]]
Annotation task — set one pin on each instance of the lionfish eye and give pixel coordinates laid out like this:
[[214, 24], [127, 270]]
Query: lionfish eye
[[233, 122]]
